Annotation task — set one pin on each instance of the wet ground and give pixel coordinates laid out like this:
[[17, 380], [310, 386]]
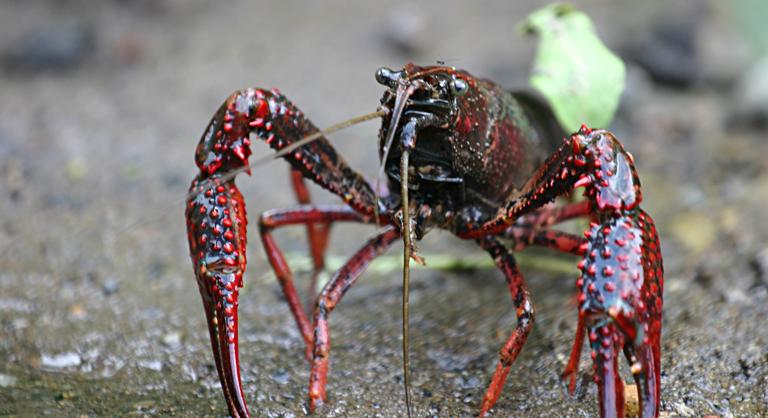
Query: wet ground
[[102, 103]]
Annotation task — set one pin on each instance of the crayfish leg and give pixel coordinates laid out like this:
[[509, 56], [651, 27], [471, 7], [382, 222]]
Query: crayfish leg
[[521, 298], [572, 369], [317, 236]]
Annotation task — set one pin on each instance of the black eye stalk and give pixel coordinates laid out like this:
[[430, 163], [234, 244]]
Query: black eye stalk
[[458, 87], [387, 77]]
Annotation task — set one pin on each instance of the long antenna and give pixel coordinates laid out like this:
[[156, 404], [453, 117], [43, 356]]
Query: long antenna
[[406, 273], [329, 130]]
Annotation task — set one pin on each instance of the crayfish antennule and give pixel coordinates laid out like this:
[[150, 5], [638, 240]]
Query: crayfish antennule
[[404, 91]]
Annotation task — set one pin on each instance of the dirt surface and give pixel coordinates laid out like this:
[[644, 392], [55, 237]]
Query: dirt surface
[[102, 104]]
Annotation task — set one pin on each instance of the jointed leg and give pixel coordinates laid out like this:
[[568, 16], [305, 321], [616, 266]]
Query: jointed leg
[[300, 215], [329, 298], [525, 316], [572, 369], [522, 237], [554, 214], [317, 235]]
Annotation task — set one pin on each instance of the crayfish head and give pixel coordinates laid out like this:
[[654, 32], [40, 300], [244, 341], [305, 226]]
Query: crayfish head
[[421, 106], [433, 90]]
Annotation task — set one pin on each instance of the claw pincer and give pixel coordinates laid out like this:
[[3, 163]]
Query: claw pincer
[[216, 227], [620, 287]]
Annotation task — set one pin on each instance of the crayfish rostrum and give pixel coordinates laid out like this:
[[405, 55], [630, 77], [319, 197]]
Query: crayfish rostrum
[[461, 154]]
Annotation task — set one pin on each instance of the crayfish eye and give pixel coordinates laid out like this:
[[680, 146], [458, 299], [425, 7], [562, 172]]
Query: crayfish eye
[[458, 87], [386, 77]]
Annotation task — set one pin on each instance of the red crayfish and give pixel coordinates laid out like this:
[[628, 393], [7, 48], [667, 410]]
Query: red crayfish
[[461, 154]]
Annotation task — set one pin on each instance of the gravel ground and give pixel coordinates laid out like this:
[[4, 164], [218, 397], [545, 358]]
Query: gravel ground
[[102, 104]]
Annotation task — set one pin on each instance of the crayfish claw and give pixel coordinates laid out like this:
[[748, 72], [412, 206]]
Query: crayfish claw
[[216, 228], [620, 297]]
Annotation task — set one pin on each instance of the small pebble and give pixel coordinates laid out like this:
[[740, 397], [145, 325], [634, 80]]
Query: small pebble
[[77, 311], [155, 365], [172, 339], [144, 405], [7, 380], [110, 286], [60, 361], [683, 409], [281, 377], [631, 401]]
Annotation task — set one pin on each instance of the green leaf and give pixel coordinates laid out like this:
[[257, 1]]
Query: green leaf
[[579, 76]]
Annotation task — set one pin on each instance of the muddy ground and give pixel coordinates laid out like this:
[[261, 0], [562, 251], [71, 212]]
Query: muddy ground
[[102, 104]]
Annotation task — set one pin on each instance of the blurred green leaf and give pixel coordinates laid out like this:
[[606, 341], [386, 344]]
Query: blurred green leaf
[[750, 18], [579, 76]]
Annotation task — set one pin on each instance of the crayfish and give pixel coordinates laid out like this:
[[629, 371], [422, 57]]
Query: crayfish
[[461, 154]]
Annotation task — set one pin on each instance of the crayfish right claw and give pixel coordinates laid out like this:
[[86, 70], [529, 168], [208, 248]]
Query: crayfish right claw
[[221, 313], [216, 228]]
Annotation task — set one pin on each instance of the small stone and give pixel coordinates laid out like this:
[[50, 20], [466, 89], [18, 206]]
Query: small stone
[[110, 286], [7, 380], [172, 339], [683, 409], [66, 395], [77, 311], [281, 377], [155, 365], [631, 401], [144, 405], [60, 361]]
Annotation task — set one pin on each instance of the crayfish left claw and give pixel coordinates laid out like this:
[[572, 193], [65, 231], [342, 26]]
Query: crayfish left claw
[[620, 297], [606, 341]]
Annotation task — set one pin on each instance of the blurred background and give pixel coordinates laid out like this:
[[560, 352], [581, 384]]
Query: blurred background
[[102, 104]]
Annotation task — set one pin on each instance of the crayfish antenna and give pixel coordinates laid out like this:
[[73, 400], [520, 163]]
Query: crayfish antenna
[[329, 130], [406, 273]]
